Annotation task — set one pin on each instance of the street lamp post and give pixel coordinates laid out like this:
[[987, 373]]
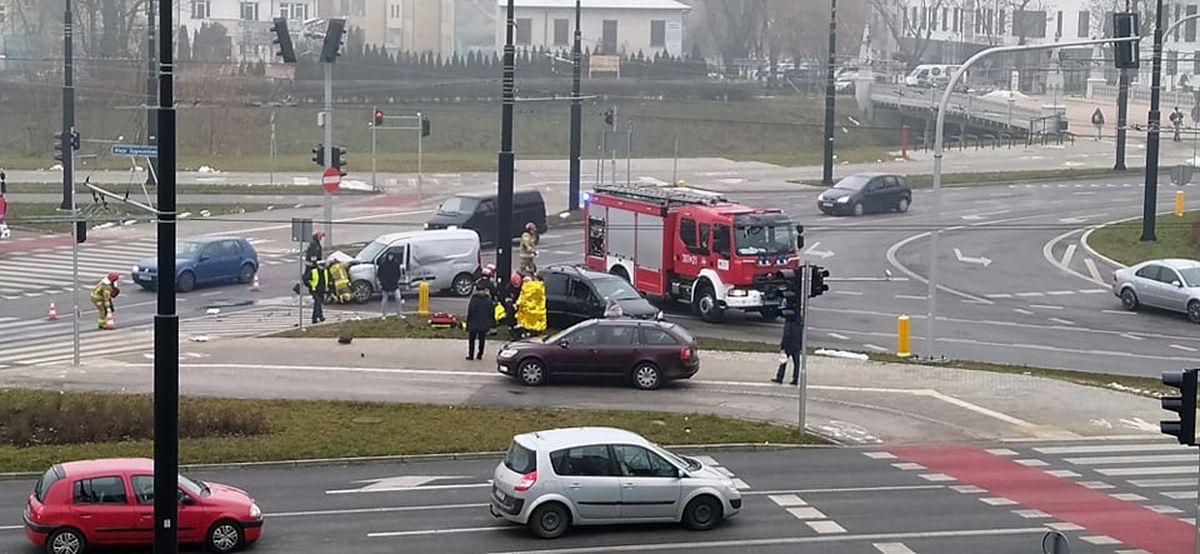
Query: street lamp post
[[1150, 200], [576, 112], [504, 195]]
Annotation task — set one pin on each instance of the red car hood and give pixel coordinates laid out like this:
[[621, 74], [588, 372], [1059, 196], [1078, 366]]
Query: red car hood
[[226, 493]]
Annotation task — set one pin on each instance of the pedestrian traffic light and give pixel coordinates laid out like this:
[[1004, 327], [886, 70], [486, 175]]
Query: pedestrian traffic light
[[332, 46], [81, 231], [816, 281], [319, 155], [1125, 53], [286, 50], [1183, 430], [799, 237], [426, 128], [378, 118], [610, 117]]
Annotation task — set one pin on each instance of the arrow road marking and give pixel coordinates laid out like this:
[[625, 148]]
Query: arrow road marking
[[981, 260], [812, 251], [1070, 253], [1091, 267], [979, 216], [404, 483]]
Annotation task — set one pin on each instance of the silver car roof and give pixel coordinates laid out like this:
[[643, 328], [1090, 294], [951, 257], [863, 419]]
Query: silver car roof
[[553, 439], [1174, 263]]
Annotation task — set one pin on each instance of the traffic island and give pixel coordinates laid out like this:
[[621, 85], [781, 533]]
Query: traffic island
[[1121, 242]]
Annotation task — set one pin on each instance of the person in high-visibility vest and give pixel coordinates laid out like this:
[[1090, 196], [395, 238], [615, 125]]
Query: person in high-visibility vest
[[529, 243], [102, 297], [316, 278]]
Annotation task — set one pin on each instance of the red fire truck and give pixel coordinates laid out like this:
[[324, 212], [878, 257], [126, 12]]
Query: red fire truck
[[691, 246]]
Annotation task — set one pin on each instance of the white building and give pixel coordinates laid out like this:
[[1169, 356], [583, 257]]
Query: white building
[[608, 26], [248, 22]]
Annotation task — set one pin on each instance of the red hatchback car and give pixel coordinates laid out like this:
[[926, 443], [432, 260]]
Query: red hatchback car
[[111, 502]]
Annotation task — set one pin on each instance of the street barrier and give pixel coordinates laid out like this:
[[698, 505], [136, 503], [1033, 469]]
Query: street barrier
[[1179, 203], [902, 337], [423, 299]]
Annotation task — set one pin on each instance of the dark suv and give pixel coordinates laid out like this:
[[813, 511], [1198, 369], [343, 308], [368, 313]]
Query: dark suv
[[574, 294]]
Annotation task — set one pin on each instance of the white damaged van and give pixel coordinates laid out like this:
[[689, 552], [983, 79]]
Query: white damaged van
[[449, 260]]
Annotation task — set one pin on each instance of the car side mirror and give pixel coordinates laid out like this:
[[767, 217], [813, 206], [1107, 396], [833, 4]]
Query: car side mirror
[[1177, 284], [564, 343], [185, 499]]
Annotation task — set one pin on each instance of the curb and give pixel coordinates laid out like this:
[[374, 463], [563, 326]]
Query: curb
[[1083, 239], [424, 458]]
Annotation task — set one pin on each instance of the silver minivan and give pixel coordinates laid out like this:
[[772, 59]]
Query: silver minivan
[[448, 260], [551, 480]]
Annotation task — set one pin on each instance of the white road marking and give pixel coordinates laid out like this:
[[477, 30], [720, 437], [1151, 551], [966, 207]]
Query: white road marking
[[1184, 348], [1164, 483], [1164, 509], [1161, 470], [1151, 459], [1060, 292], [787, 500], [967, 489], [1129, 497], [1131, 336], [908, 466], [839, 336], [435, 532], [1001, 451], [806, 512], [848, 490], [826, 527], [1099, 539], [1022, 311], [409, 489], [936, 477], [1030, 294], [1064, 526], [1180, 495], [880, 455], [1095, 273], [892, 548], [848, 292], [1045, 307], [981, 215], [998, 501], [1033, 462], [978, 260], [1065, 473], [999, 295], [1095, 485], [385, 509], [1117, 312], [911, 296], [1031, 514], [1062, 321]]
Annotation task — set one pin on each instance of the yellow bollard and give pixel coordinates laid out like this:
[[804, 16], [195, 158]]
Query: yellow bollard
[[902, 337], [423, 298], [1179, 203]]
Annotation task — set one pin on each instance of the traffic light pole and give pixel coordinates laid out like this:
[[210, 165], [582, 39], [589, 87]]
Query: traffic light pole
[[151, 84], [576, 113], [420, 154], [806, 286], [827, 175], [328, 214], [68, 108], [374, 148], [1150, 200], [1122, 118], [504, 196]]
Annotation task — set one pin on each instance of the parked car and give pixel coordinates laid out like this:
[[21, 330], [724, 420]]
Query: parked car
[[645, 353], [448, 260], [76, 505], [1170, 284], [864, 193], [576, 294], [477, 212], [203, 261], [551, 480]]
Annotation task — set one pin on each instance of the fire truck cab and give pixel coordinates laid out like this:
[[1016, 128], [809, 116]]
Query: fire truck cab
[[690, 245]]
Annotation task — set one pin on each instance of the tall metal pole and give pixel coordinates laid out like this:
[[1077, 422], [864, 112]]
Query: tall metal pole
[[166, 321], [827, 176], [802, 390], [151, 89], [1150, 201], [374, 148], [68, 108], [420, 154], [675, 163], [274, 146], [328, 151], [629, 155], [576, 111], [504, 226], [1122, 117]]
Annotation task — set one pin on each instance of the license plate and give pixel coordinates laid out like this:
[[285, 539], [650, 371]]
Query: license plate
[[827, 204], [499, 494]]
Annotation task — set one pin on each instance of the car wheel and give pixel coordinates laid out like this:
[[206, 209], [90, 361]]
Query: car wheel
[[858, 208], [902, 207], [702, 513], [362, 291], [224, 536], [1193, 311], [770, 313], [246, 274], [646, 376], [463, 284], [65, 541], [186, 282], [1129, 299], [550, 520], [532, 372], [706, 304]]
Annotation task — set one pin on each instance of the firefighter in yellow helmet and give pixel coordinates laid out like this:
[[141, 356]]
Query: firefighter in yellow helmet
[[102, 297]]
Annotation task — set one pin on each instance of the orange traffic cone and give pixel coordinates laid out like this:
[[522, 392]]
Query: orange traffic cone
[[254, 286], [109, 322], [53, 314]]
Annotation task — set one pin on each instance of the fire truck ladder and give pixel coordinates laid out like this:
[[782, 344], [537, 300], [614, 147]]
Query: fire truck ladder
[[663, 196]]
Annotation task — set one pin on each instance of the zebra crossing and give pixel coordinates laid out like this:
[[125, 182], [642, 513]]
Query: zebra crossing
[[48, 270], [44, 342]]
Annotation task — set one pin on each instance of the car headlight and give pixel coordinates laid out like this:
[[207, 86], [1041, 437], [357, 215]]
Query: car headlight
[[427, 226], [728, 483], [508, 353], [136, 269], [659, 316], [256, 513], [737, 292], [843, 199]]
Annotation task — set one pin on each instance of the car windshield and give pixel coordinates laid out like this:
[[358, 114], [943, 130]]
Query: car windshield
[[682, 461], [194, 486], [371, 251], [187, 249], [615, 288], [1191, 276], [458, 205], [853, 183], [763, 235]]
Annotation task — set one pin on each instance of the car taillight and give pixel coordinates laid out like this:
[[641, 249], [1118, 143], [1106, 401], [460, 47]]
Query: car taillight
[[685, 353], [526, 482]]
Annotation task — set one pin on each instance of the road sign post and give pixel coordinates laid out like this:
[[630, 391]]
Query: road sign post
[[302, 228]]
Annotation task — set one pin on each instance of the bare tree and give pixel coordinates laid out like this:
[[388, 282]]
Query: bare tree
[[912, 36]]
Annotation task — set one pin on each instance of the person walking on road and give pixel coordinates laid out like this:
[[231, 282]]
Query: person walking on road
[[792, 345], [314, 252], [389, 284], [1177, 123], [4, 232], [1098, 122], [102, 298], [316, 277], [480, 315], [529, 244]]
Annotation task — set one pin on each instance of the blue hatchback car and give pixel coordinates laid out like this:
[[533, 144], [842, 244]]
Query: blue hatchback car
[[203, 261]]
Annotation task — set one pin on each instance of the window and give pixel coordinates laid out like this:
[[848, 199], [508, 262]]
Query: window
[[1058, 25], [1189, 28], [211, 251], [556, 284], [595, 236], [945, 19], [957, 19], [231, 249], [250, 11], [520, 459], [912, 20], [687, 233], [100, 490], [395, 11], [1148, 272], [583, 461], [657, 337], [1029, 24], [704, 230], [620, 335], [562, 30], [1176, 33], [1172, 62], [608, 37], [580, 290], [924, 16], [3, 15], [636, 461], [293, 10], [1196, 62], [720, 240], [143, 488], [1000, 23], [52, 476], [658, 33], [1084, 25], [587, 336], [933, 19], [201, 9], [524, 31]]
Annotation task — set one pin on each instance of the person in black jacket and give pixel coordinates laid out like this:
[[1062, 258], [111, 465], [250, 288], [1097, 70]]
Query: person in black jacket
[[388, 274], [480, 314], [316, 278], [792, 345], [314, 252]]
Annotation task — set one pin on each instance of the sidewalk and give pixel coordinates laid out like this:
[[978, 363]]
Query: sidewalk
[[849, 400]]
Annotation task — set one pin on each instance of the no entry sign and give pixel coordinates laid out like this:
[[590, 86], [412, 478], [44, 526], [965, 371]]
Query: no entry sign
[[331, 179]]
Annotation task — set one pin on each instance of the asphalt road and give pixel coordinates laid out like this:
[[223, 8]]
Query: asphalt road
[[810, 500]]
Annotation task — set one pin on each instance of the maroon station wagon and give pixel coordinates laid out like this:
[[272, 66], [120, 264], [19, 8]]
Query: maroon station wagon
[[645, 353]]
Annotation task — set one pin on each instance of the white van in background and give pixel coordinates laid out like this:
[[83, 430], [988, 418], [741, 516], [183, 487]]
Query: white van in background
[[930, 75], [449, 260]]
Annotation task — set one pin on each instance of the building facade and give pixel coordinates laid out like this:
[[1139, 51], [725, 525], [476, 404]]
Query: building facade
[[609, 27], [247, 22], [408, 25]]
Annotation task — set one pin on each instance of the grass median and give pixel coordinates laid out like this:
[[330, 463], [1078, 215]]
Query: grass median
[[925, 180], [220, 189], [270, 430], [47, 218], [1178, 237], [418, 328]]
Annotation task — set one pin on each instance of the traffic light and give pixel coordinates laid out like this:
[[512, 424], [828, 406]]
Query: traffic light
[[426, 128], [1183, 430], [1125, 53], [333, 40], [340, 161], [378, 118], [799, 237], [319, 155], [74, 139], [81, 231], [610, 117], [284, 40], [59, 147], [816, 282]]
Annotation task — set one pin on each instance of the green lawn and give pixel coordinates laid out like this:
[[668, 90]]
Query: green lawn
[[47, 218], [1178, 237], [299, 429], [222, 189]]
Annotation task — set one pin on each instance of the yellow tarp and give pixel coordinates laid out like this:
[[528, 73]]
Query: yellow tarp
[[531, 306]]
